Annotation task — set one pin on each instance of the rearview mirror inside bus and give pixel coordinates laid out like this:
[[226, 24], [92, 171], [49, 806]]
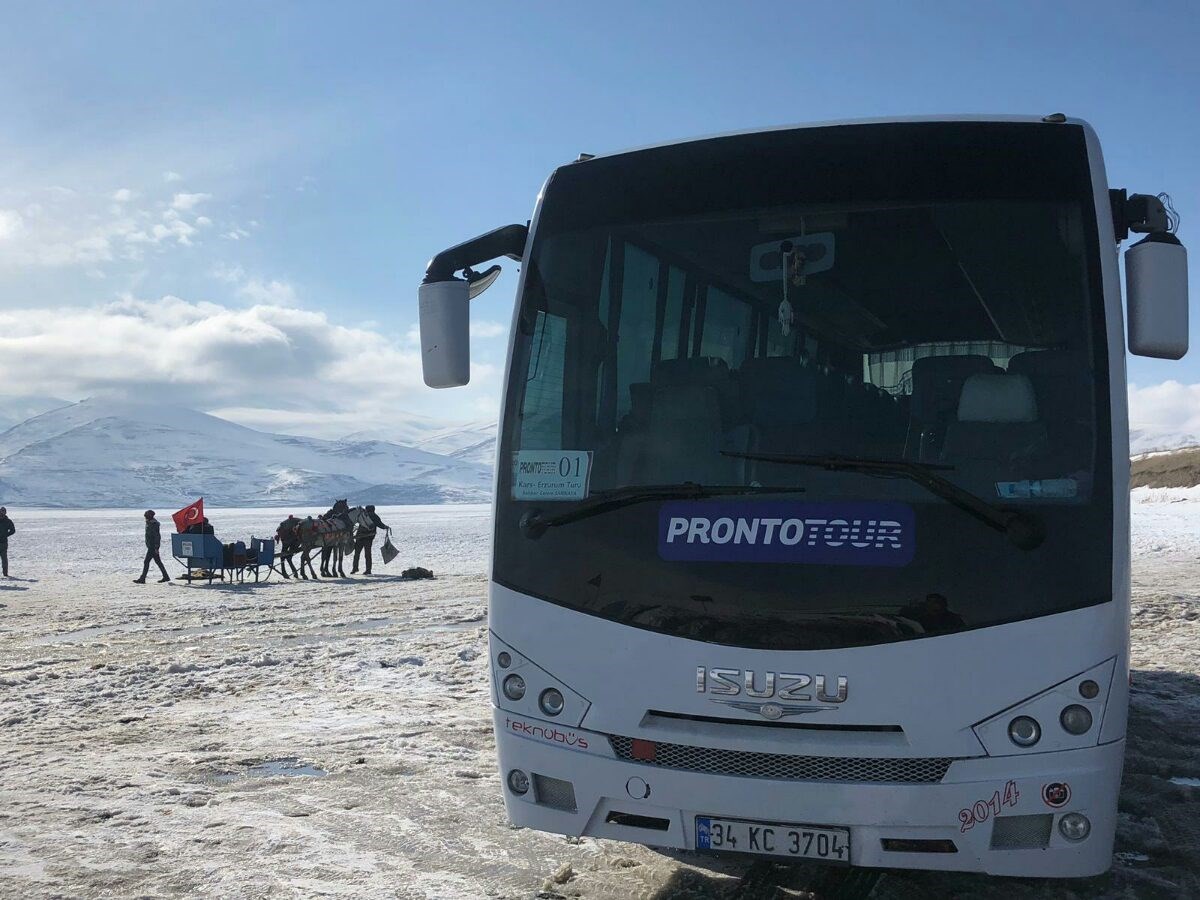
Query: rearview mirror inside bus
[[806, 254], [445, 333], [1156, 291]]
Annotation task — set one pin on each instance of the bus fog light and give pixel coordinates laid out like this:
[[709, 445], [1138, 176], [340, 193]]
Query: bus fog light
[[1076, 719], [1074, 826], [514, 687], [518, 782], [1089, 690], [504, 659], [1024, 731], [551, 702]]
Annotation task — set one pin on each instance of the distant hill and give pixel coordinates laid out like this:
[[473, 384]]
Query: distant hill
[[14, 410], [1157, 440], [100, 453], [1173, 468], [469, 441]]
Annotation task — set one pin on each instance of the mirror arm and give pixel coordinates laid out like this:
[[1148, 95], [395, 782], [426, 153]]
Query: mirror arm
[[1139, 213], [508, 240]]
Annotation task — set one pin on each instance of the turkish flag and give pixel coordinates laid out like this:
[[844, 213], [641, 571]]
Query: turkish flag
[[189, 515]]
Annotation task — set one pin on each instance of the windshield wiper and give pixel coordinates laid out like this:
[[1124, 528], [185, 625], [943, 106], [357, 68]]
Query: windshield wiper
[[533, 524], [1023, 530]]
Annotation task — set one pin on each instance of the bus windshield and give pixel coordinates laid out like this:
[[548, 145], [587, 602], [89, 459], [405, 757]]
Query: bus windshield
[[711, 314]]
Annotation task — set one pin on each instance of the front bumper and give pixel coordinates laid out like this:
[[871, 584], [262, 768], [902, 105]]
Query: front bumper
[[610, 793]]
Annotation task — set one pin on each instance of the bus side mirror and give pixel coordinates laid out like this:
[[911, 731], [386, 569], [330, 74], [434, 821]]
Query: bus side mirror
[[1156, 292], [445, 332]]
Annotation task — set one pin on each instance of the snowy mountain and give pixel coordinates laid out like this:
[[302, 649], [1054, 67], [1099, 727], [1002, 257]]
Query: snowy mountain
[[101, 453], [469, 442], [18, 409], [1157, 440]]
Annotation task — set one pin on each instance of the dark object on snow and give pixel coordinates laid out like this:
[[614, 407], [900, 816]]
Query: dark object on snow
[[7, 530], [416, 573], [388, 551], [153, 542]]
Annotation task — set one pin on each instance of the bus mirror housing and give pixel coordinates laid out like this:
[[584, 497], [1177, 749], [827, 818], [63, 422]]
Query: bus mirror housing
[[1156, 292], [445, 332], [443, 301]]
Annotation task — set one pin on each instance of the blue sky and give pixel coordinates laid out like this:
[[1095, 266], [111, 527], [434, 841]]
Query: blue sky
[[282, 172]]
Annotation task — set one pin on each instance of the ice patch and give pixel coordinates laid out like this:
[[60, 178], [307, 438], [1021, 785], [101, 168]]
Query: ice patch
[[402, 661], [288, 767]]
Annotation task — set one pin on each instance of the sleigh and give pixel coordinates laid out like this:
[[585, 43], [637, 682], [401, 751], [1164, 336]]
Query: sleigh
[[207, 559]]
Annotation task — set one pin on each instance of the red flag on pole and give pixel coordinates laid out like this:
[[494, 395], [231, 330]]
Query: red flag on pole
[[192, 514]]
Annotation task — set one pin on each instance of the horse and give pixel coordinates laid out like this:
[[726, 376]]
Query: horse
[[291, 543], [332, 533]]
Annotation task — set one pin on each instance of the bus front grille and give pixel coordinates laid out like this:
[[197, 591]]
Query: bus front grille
[[748, 764]]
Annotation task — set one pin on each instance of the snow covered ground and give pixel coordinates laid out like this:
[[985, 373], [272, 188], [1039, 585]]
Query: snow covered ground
[[333, 739]]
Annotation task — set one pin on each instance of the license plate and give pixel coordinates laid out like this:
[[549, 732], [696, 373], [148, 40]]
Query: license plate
[[772, 839]]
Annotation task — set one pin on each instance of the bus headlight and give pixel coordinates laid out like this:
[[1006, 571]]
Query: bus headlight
[[551, 702], [1028, 726], [1074, 826], [523, 687], [514, 687], [1024, 731], [1076, 719]]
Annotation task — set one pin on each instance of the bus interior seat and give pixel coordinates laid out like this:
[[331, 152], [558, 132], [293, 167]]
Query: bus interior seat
[[777, 392], [778, 406], [937, 383], [633, 431], [997, 420], [692, 403], [1062, 386]]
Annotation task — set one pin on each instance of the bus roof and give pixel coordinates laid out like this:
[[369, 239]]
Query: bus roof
[[832, 123]]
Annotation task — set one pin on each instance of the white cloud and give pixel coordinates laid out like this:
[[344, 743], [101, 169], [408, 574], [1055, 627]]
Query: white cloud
[[10, 223], [272, 292], [228, 274], [62, 228], [1170, 405], [486, 329], [267, 365], [172, 176], [185, 202]]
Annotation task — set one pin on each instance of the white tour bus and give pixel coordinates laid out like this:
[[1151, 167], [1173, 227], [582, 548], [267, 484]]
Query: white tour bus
[[811, 525]]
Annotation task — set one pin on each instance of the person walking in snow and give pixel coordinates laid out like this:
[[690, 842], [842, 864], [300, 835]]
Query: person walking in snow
[[365, 538], [7, 530], [153, 542]]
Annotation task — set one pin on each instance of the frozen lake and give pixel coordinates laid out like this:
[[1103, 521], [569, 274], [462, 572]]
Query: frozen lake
[[451, 539], [334, 738]]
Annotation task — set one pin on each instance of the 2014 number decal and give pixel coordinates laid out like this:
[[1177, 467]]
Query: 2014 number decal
[[981, 810]]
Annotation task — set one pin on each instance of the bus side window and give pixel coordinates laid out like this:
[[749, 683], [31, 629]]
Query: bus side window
[[639, 300], [542, 408], [727, 332]]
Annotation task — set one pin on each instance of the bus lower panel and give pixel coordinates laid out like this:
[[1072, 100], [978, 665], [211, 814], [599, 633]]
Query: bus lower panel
[[650, 805]]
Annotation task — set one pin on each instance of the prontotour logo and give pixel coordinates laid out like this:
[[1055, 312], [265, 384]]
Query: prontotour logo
[[554, 735], [850, 534]]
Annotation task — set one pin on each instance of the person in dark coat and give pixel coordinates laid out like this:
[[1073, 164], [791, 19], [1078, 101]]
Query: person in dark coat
[[364, 538], [7, 530], [201, 527], [153, 542]]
